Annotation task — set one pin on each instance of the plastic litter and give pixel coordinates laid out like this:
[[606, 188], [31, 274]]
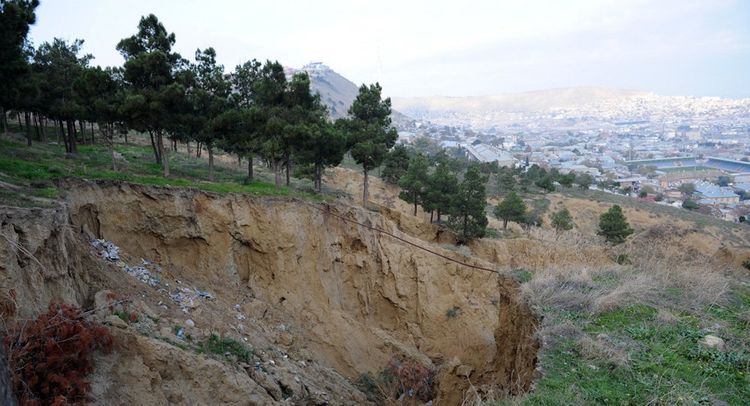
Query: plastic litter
[[181, 333], [106, 249], [143, 274], [187, 298], [190, 323]]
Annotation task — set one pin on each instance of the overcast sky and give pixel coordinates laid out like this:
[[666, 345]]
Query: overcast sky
[[451, 48]]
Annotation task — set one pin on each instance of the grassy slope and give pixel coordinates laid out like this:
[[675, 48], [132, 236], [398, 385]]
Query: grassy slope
[[33, 169]]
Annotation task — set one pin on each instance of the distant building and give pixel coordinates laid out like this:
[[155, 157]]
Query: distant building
[[713, 194], [729, 165], [488, 153], [633, 182]]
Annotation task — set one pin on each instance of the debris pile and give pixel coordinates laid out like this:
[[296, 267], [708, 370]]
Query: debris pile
[[143, 274], [106, 249]]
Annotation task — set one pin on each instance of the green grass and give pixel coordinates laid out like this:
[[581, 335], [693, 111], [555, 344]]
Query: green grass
[[226, 347], [664, 362], [34, 168]]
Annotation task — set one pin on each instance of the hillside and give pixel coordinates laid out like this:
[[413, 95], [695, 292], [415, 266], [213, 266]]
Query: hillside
[[245, 294]]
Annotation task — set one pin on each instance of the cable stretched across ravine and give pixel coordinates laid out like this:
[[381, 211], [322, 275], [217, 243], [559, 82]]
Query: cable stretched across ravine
[[328, 210]]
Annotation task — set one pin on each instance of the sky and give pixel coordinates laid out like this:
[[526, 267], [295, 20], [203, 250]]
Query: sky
[[446, 48]]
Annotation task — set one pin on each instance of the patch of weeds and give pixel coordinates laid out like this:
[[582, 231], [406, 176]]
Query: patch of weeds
[[453, 312], [226, 347], [623, 259], [620, 318], [521, 275]]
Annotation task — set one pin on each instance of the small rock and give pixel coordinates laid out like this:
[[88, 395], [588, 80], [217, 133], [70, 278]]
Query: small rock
[[190, 323], [464, 370], [711, 341], [165, 332], [115, 321]]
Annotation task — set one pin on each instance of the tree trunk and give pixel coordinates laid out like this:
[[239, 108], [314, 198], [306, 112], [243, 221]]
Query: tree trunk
[[91, 127], [432, 212], [109, 136], [277, 173], [62, 136], [126, 137], [198, 150], [83, 130], [3, 120], [187, 146], [35, 121], [210, 149], [249, 168], [415, 204], [438, 214], [43, 132], [365, 192], [20, 126], [163, 153], [288, 169], [157, 151], [27, 119], [505, 224], [72, 141], [317, 176]]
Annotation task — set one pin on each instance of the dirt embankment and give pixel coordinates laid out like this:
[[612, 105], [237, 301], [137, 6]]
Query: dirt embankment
[[335, 299]]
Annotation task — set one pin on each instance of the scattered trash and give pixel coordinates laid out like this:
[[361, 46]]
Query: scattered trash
[[186, 297], [143, 274], [106, 249], [190, 323], [181, 333], [241, 317], [111, 252]]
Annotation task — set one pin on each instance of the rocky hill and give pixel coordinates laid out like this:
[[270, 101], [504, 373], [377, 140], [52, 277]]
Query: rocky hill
[[336, 91]]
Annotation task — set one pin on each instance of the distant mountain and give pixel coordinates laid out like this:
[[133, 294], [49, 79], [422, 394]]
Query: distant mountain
[[336, 91]]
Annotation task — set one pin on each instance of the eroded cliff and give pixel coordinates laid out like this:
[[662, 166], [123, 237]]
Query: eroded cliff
[[322, 300]]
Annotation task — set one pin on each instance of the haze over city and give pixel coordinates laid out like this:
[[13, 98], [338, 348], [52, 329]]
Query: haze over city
[[424, 48]]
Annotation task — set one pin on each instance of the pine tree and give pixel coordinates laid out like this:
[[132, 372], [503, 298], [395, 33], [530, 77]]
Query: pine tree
[[395, 164], [467, 215], [562, 221], [370, 132], [613, 225], [15, 18], [415, 181], [512, 208], [442, 184], [155, 99]]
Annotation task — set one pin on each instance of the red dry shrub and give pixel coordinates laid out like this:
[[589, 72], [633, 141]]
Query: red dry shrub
[[50, 357], [406, 378]]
